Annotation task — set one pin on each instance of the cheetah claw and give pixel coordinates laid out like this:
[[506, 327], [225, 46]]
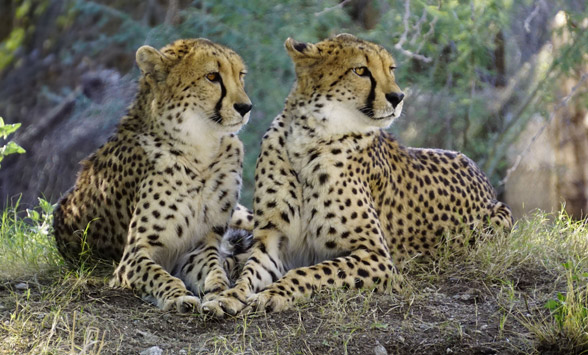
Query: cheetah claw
[[264, 301], [183, 304], [222, 305]]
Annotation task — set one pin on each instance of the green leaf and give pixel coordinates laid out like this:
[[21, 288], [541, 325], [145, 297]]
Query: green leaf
[[378, 325], [434, 11], [12, 148], [552, 305], [45, 205], [34, 215], [7, 129]]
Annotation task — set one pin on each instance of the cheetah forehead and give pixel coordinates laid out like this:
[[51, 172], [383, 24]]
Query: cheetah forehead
[[202, 48], [348, 49]]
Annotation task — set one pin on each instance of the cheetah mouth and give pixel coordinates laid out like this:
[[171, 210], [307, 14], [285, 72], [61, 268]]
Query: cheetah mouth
[[381, 118], [233, 125]]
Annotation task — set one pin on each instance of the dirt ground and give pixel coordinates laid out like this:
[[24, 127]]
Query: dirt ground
[[448, 316]]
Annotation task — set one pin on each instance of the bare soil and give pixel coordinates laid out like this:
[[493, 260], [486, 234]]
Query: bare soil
[[449, 315]]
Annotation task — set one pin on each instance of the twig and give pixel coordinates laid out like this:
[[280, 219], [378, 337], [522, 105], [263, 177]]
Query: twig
[[417, 26], [527, 22], [405, 22], [563, 102], [329, 9], [404, 36], [172, 12], [410, 54], [429, 33]]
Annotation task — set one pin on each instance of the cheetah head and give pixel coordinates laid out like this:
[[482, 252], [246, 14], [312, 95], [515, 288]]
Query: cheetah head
[[197, 86], [347, 83]]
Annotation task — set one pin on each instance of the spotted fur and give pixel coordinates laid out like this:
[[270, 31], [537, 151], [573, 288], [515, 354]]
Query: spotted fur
[[166, 184], [338, 202]]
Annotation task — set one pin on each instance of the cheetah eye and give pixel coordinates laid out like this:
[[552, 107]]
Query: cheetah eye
[[361, 71], [214, 77]]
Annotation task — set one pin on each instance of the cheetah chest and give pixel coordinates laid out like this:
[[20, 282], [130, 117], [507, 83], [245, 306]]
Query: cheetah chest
[[322, 168], [190, 200]]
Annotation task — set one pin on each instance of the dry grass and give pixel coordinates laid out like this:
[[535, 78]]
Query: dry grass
[[521, 293]]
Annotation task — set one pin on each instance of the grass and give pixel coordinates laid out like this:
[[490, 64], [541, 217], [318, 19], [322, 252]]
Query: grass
[[26, 244], [521, 293]]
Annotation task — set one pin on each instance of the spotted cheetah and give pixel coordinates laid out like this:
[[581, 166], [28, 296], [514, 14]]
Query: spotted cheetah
[[161, 192], [338, 202]]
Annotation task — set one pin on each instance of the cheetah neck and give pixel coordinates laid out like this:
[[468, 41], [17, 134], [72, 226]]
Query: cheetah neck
[[328, 119], [195, 137], [324, 122], [304, 141], [138, 111]]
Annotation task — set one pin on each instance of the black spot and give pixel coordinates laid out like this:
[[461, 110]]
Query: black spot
[[285, 217]]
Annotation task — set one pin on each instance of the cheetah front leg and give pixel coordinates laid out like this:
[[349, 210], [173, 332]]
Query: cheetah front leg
[[361, 269], [347, 227], [201, 269], [138, 271], [263, 267], [153, 240]]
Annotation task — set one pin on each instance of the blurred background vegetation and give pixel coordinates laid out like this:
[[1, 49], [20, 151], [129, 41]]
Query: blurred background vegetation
[[476, 73]]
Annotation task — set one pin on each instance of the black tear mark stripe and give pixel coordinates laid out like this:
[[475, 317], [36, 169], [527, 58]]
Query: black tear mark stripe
[[217, 116], [368, 109]]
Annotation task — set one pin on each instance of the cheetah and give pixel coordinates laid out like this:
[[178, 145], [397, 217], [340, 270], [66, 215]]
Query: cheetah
[[338, 202], [159, 195]]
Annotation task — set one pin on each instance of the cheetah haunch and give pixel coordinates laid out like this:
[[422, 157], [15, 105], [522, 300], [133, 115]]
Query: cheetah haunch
[[161, 193], [338, 202]]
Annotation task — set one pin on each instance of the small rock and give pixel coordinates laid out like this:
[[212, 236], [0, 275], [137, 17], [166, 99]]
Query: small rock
[[154, 350], [22, 286], [449, 351], [147, 337], [484, 327], [463, 297], [379, 349]]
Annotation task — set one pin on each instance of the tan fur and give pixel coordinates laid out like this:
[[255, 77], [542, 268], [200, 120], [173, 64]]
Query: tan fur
[[167, 182], [338, 202]]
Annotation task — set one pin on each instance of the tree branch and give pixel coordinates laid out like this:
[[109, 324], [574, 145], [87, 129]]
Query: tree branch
[[404, 36], [329, 9]]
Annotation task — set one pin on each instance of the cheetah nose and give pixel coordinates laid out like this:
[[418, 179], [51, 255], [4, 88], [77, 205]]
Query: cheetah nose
[[394, 98], [243, 108]]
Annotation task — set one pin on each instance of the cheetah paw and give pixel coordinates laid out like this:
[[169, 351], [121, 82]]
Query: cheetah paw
[[223, 304], [265, 301], [183, 304]]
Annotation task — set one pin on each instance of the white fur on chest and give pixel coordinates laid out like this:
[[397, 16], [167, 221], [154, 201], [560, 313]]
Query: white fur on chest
[[201, 185]]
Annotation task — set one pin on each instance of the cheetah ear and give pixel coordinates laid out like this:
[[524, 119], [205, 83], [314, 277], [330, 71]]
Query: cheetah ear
[[152, 63], [301, 50], [346, 36]]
